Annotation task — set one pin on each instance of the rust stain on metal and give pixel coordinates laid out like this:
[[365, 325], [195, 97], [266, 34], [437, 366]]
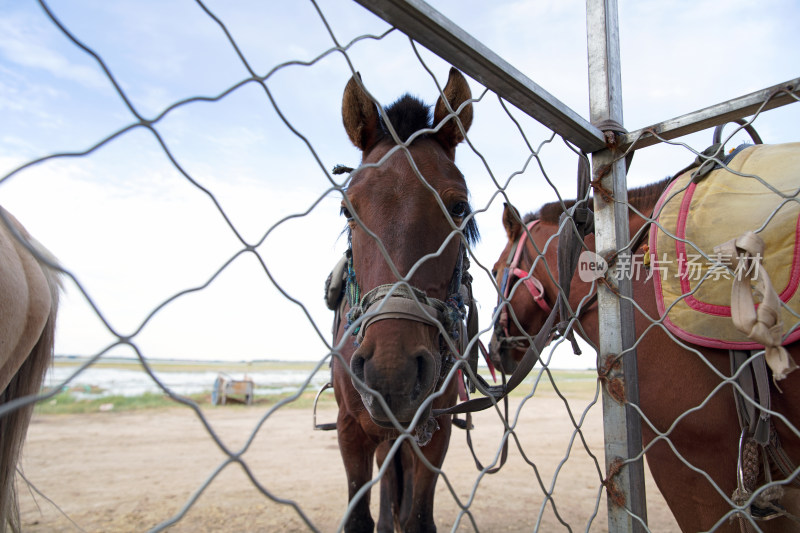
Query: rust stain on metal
[[611, 139], [610, 286], [614, 384], [611, 363], [616, 495], [616, 389], [597, 185]]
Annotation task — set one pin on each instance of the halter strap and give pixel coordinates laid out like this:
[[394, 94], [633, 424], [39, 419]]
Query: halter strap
[[404, 302], [530, 282], [514, 263], [534, 287], [521, 244], [497, 393]]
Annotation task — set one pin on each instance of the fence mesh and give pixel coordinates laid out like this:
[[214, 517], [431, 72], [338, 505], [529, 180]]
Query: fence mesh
[[244, 266]]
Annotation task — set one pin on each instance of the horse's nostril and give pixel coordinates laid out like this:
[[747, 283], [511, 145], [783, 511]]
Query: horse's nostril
[[425, 373], [357, 365]]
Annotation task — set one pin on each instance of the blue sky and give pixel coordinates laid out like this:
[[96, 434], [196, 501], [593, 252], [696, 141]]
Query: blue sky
[[135, 231]]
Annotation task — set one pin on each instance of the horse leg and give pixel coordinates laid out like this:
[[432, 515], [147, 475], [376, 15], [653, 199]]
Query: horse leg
[[357, 451], [418, 516], [390, 489], [707, 439]]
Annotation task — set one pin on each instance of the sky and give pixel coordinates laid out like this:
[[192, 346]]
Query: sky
[[142, 218]]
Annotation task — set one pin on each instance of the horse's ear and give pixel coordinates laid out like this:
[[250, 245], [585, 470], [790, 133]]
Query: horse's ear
[[360, 115], [457, 92], [512, 222]]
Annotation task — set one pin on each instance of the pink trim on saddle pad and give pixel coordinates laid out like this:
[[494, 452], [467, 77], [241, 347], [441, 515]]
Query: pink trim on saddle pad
[[653, 251], [689, 299]]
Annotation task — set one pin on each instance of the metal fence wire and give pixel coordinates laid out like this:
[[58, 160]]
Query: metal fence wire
[[259, 469]]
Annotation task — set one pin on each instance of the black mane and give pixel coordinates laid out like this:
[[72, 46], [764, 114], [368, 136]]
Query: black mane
[[641, 198], [407, 115]]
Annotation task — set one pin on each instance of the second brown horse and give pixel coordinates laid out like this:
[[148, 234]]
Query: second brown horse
[[691, 431]]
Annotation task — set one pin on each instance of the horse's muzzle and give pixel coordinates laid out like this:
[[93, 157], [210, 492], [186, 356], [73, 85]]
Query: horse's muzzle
[[402, 381]]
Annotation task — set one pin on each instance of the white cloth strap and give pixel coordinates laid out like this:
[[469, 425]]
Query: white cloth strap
[[763, 325]]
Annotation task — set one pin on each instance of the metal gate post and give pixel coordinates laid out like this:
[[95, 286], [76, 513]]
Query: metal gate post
[[627, 509]]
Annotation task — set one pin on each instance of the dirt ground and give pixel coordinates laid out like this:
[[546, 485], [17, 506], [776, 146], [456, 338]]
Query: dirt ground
[[134, 471]]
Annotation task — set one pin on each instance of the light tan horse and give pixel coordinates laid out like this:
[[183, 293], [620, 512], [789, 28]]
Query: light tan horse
[[28, 305]]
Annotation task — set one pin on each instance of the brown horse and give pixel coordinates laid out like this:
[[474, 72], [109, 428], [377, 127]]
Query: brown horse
[[28, 305], [673, 377], [408, 216]]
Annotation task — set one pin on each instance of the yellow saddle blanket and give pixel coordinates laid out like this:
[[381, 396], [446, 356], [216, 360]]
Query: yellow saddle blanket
[[757, 191]]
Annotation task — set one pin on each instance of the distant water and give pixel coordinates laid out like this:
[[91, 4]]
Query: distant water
[[134, 382]]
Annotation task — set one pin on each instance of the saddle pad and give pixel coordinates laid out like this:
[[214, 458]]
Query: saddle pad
[[693, 290]]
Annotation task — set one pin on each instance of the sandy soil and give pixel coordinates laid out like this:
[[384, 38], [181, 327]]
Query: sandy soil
[[134, 471]]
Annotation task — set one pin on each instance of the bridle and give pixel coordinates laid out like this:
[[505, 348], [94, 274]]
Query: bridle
[[402, 301], [530, 282]]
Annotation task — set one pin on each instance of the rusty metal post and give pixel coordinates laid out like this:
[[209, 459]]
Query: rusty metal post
[[627, 509]]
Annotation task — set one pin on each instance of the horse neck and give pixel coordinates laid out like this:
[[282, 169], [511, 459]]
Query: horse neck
[[579, 289]]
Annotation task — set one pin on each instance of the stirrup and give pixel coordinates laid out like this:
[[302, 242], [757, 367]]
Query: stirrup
[[322, 427], [754, 510]]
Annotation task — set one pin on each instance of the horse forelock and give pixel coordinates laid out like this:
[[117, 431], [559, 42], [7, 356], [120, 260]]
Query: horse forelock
[[407, 115]]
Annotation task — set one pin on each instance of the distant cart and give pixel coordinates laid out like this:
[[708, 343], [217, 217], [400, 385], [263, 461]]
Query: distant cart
[[227, 390]]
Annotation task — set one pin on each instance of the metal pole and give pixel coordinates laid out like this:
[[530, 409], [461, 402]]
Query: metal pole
[[622, 426], [743, 106]]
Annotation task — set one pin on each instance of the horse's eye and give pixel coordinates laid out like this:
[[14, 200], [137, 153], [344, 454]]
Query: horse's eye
[[346, 213], [459, 210]]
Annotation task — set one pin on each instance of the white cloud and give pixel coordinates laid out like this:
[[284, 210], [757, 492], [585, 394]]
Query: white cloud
[[136, 232], [25, 43]]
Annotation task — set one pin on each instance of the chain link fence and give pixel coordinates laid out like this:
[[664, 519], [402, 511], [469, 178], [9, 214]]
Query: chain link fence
[[202, 220]]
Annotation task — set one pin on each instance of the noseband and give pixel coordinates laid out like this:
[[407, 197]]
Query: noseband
[[530, 282], [402, 301]]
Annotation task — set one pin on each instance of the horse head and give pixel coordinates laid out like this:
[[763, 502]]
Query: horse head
[[407, 212], [528, 288], [527, 274]]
